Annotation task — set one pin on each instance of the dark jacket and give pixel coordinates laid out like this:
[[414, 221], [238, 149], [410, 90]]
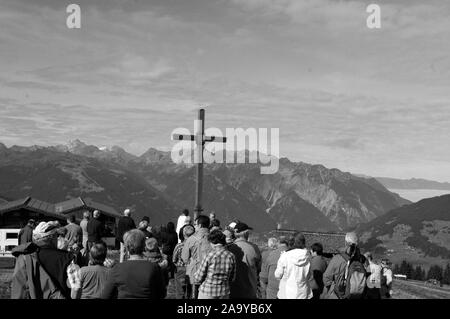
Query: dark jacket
[[26, 235], [135, 279], [267, 274], [95, 230], [318, 266], [125, 224], [40, 273], [169, 241]]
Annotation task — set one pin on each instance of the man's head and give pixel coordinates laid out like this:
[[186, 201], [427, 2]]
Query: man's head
[[185, 212], [187, 231], [215, 223], [229, 236], [96, 214], [127, 212], [151, 245], [272, 243], [351, 242], [202, 221], [134, 241], [86, 215], [31, 222], [97, 254], [299, 241], [242, 230], [317, 249], [212, 216], [143, 225], [217, 238], [71, 219]]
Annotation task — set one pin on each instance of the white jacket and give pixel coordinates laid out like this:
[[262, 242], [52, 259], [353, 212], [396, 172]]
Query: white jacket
[[293, 270]]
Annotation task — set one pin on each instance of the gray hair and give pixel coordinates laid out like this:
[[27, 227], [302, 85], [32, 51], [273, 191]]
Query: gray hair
[[272, 242], [127, 212], [351, 238], [96, 213], [134, 241]]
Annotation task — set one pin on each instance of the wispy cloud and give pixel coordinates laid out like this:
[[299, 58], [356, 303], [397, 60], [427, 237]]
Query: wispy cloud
[[369, 101]]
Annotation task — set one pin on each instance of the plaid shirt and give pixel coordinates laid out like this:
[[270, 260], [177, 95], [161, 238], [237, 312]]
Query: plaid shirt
[[216, 272], [176, 258]]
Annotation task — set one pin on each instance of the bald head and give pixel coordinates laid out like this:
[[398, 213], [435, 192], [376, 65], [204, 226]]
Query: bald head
[[127, 212], [96, 214]]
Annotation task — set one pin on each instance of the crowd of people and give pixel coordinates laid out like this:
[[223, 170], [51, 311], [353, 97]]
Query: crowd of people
[[204, 260]]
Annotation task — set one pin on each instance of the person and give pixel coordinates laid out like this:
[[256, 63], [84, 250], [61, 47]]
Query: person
[[267, 275], [63, 242], [153, 254], [182, 220], [124, 224], [374, 278], [293, 270], [229, 236], [26, 233], [135, 278], [214, 225], [183, 288], [74, 235], [143, 227], [336, 276], [386, 279], [169, 240], [248, 264], [83, 225], [217, 270], [195, 249], [41, 270], [213, 221], [90, 280], [271, 246], [95, 230], [318, 266]]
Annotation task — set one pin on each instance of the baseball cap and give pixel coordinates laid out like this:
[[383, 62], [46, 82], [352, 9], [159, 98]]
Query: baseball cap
[[240, 227]]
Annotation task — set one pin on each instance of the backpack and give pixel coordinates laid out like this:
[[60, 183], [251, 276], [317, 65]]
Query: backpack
[[352, 284]]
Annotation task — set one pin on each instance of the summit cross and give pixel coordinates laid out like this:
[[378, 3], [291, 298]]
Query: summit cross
[[200, 140]]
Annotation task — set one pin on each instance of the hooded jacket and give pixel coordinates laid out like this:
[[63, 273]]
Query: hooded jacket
[[293, 270], [40, 273]]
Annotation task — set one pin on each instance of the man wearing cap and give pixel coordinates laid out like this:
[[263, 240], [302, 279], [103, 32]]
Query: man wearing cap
[[336, 269], [248, 264], [26, 233], [42, 270], [125, 224]]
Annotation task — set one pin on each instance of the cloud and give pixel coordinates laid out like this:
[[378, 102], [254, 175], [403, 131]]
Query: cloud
[[341, 94]]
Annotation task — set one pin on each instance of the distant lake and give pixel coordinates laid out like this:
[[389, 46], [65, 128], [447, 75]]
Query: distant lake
[[415, 195]]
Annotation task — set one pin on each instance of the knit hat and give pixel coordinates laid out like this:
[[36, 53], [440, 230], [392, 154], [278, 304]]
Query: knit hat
[[45, 230]]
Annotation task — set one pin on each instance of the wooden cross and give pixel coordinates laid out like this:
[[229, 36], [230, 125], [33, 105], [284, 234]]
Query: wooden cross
[[200, 139]]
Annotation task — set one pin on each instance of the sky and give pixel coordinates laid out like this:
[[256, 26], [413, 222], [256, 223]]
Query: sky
[[367, 101]]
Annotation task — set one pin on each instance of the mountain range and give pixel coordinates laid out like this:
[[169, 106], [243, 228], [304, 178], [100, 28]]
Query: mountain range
[[299, 196], [418, 231], [413, 183]]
